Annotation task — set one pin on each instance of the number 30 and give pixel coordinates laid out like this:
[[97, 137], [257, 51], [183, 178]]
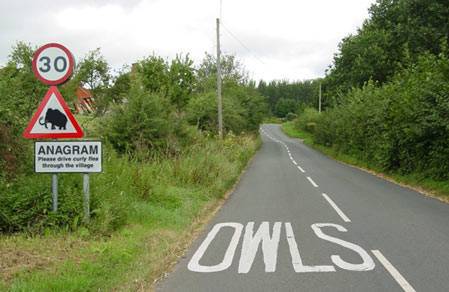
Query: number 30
[[60, 64]]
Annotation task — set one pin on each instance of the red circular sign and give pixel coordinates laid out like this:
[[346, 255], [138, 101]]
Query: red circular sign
[[53, 64]]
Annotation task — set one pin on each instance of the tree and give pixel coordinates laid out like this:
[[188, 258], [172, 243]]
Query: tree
[[304, 93], [395, 35], [20, 91], [119, 91], [143, 123], [92, 72], [20, 94], [285, 106], [182, 80], [243, 107]]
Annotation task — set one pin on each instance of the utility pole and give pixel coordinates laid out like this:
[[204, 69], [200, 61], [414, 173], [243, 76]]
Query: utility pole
[[319, 100], [219, 100]]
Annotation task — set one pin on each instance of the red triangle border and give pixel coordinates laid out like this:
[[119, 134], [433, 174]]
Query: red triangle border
[[27, 133]]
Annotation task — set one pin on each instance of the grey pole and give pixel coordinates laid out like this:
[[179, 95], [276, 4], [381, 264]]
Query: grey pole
[[219, 101], [54, 190], [86, 201]]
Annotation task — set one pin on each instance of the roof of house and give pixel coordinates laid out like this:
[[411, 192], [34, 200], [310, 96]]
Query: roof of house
[[83, 93]]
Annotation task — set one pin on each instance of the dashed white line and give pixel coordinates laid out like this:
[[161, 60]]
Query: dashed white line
[[336, 208], [312, 182], [393, 272], [388, 266]]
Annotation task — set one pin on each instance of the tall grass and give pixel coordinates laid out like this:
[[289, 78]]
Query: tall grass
[[208, 165], [141, 211]]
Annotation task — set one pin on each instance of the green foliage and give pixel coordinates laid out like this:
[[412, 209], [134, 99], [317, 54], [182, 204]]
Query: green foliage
[[152, 114], [243, 110], [401, 126], [307, 120], [143, 117], [243, 107], [294, 95], [395, 35], [20, 93], [143, 123], [291, 116], [119, 91], [182, 81], [153, 72], [232, 71], [163, 201], [126, 183], [93, 73], [285, 106], [386, 92]]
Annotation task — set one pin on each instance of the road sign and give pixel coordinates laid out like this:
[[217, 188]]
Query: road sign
[[67, 156], [53, 64], [53, 119]]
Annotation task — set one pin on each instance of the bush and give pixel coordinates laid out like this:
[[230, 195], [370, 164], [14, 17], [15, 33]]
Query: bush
[[309, 117], [401, 126], [290, 116], [141, 124], [284, 106]]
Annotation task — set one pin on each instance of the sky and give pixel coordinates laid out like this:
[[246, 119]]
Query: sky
[[282, 39]]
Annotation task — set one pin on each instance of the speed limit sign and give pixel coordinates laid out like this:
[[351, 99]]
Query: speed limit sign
[[53, 64]]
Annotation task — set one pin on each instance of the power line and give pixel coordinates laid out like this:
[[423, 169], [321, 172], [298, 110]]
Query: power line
[[242, 44]]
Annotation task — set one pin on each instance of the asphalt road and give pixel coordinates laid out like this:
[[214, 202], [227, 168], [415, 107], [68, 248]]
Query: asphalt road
[[299, 221]]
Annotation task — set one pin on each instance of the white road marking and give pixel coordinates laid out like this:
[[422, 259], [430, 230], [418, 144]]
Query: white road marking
[[296, 257], [393, 272], [366, 265], [336, 208], [294, 162], [251, 242], [300, 168], [194, 264], [312, 182]]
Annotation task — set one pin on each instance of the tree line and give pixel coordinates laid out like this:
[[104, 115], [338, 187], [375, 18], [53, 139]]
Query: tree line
[[286, 97]]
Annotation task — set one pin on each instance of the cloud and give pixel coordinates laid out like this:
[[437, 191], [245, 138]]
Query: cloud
[[292, 39]]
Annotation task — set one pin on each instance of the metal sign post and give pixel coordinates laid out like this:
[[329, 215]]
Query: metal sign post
[[69, 157], [86, 201], [54, 191]]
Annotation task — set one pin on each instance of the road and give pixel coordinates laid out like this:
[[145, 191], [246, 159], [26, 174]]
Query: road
[[300, 221]]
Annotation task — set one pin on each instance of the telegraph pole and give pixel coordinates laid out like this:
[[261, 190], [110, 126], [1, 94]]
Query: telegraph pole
[[319, 100], [219, 100]]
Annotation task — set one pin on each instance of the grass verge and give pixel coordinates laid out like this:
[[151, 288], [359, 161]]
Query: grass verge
[[168, 201], [417, 182]]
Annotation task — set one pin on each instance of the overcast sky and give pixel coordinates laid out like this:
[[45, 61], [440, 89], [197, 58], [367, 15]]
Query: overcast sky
[[282, 39]]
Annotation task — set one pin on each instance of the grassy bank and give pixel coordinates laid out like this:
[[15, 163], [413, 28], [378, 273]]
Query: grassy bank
[[418, 182], [161, 204]]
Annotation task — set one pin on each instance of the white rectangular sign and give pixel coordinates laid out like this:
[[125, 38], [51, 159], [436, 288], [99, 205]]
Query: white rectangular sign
[[67, 156]]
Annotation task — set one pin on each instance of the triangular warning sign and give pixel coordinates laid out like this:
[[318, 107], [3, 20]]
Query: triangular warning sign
[[53, 119]]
